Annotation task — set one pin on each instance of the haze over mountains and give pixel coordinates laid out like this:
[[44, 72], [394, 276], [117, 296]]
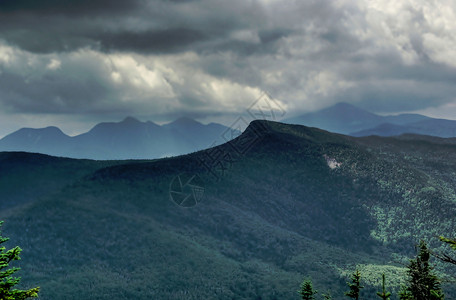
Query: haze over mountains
[[128, 139], [296, 202], [348, 119], [132, 139]]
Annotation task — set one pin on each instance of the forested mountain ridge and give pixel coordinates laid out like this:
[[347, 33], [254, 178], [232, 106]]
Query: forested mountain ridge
[[280, 202]]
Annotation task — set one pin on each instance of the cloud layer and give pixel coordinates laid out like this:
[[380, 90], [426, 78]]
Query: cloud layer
[[90, 60]]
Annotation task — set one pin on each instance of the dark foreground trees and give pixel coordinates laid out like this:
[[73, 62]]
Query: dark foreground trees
[[307, 291], [446, 257], [7, 281], [384, 294], [354, 285], [423, 284]]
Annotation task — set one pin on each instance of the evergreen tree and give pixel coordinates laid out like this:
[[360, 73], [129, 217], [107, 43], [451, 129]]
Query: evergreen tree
[[327, 296], [7, 281], [355, 286], [384, 294], [405, 294], [307, 291], [445, 257], [423, 284]]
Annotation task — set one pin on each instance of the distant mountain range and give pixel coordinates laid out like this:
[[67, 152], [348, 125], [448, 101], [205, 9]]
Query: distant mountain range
[[133, 139], [128, 139], [348, 119]]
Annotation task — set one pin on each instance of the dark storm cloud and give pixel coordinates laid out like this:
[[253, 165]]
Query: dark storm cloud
[[138, 26], [155, 41], [52, 91], [153, 26], [204, 57], [50, 94], [66, 7]]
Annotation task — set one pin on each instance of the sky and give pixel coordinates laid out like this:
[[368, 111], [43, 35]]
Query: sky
[[77, 63]]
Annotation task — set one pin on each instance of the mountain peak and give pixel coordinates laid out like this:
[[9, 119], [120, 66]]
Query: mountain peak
[[50, 130], [130, 120], [185, 121], [347, 108], [344, 105], [53, 129]]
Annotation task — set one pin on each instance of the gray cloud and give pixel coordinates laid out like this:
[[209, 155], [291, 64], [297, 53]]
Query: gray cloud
[[210, 58], [69, 8], [154, 41], [147, 27]]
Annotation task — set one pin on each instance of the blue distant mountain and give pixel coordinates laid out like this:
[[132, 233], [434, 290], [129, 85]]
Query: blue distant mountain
[[434, 127], [49, 140], [128, 139], [133, 139], [197, 134], [348, 119], [340, 118]]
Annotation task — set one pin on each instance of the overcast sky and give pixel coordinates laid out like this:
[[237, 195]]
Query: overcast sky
[[76, 63]]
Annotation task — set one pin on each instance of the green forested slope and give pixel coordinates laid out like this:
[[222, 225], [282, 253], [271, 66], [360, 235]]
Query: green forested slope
[[300, 202]]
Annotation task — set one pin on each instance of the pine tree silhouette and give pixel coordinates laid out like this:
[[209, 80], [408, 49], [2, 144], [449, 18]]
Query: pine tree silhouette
[[307, 291], [384, 294], [423, 284], [7, 281], [354, 285]]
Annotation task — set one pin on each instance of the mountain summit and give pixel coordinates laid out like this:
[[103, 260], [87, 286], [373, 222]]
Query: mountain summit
[[348, 119], [130, 120], [127, 139], [42, 140], [341, 118]]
